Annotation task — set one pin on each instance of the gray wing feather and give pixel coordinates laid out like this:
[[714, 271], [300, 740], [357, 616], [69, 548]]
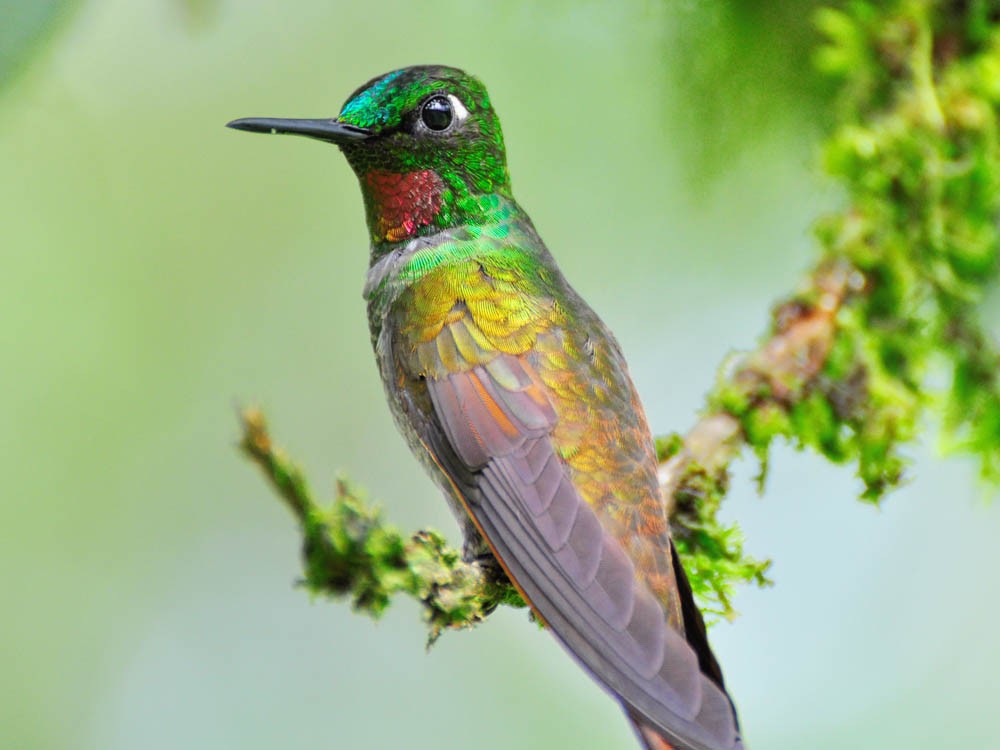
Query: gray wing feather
[[493, 440]]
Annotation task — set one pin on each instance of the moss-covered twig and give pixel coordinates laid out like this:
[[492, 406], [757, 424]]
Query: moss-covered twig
[[694, 470], [846, 368], [349, 551]]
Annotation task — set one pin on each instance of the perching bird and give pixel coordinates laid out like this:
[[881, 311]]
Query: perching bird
[[517, 399]]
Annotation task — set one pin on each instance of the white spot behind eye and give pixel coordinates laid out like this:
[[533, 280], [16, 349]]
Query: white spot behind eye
[[461, 113]]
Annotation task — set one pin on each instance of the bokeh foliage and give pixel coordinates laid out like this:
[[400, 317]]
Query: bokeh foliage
[[744, 71], [25, 27]]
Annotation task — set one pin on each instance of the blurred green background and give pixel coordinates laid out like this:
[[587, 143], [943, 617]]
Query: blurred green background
[[159, 270]]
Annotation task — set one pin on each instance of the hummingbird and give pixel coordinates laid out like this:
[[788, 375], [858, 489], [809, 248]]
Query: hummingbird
[[517, 399]]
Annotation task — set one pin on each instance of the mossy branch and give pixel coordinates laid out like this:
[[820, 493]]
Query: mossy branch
[[847, 366], [349, 551]]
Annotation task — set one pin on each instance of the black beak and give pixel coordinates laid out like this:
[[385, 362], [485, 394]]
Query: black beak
[[324, 130]]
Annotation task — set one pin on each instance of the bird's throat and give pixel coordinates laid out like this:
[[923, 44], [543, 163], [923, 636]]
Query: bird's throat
[[399, 205]]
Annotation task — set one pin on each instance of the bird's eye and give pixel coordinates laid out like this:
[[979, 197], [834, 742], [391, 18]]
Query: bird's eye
[[437, 113]]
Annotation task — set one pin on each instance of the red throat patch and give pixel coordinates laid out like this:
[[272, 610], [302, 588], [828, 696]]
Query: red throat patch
[[403, 203]]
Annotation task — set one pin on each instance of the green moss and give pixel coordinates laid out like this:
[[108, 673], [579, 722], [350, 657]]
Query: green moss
[[349, 551], [711, 551], [668, 446], [916, 151]]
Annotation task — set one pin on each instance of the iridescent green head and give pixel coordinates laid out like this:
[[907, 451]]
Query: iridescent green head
[[425, 144]]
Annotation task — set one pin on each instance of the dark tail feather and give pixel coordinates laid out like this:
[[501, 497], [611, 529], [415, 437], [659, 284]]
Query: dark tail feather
[[694, 630], [694, 625]]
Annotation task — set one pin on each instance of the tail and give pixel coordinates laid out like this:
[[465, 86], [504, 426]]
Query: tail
[[649, 736]]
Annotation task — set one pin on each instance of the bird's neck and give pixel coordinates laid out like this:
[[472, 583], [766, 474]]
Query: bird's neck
[[403, 205]]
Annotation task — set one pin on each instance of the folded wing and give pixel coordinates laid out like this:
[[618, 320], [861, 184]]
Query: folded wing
[[491, 433]]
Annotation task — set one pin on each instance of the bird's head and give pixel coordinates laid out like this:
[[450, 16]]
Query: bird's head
[[425, 144]]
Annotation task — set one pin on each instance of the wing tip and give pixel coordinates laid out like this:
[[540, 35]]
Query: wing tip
[[649, 737], [652, 739]]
